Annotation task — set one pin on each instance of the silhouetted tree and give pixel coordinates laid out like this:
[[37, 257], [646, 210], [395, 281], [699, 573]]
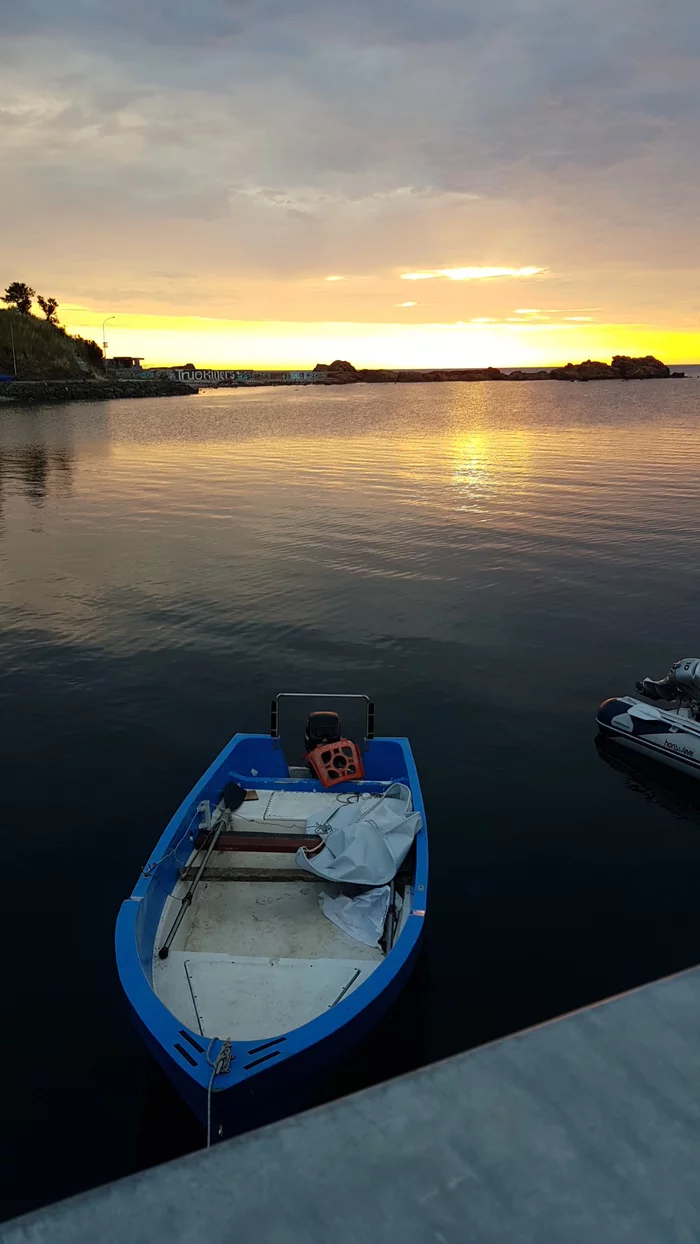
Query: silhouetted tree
[[90, 350], [49, 306], [20, 296]]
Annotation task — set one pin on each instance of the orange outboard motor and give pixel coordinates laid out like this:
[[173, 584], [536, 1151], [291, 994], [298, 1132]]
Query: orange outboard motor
[[335, 762]]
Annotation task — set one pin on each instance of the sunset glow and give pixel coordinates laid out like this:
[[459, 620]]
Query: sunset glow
[[270, 343], [277, 201]]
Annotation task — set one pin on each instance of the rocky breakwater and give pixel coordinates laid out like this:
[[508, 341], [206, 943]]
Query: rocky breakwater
[[43, 392], [621, 368], [342, 372]]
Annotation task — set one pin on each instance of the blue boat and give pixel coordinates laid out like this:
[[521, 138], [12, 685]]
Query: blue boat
[[254, 952]]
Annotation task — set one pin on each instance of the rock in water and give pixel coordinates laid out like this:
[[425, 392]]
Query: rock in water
[[339, 372], [591, 369], [622, 368], [380, 375], [647, 368]]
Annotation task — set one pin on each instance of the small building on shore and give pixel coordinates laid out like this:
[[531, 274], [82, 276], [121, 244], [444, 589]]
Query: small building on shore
[[124, 363], [125, 367]]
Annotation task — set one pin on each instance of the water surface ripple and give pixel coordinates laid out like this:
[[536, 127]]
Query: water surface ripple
[[488, 560]]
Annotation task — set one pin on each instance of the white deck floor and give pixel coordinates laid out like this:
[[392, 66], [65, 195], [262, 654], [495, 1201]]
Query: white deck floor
[[251, 999], [280, 920], [256, 959]]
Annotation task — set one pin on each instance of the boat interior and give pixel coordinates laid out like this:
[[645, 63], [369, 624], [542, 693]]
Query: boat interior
[[254, 956], [646, 706]]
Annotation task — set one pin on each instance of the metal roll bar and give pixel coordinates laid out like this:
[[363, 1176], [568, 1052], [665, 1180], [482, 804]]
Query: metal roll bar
[[325, 695]]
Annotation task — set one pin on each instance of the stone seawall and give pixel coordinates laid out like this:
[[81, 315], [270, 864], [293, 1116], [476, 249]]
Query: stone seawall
[[42, 392]]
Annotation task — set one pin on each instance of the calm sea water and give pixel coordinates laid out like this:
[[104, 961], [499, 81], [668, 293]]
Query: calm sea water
[[488, 561]]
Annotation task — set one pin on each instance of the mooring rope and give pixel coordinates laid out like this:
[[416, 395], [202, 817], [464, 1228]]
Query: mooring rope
[[220, 1066]]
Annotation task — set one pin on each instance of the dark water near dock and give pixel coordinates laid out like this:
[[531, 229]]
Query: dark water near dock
[[488, 561]]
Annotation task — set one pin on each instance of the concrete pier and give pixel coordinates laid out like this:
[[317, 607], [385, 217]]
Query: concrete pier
[[582, 1131]]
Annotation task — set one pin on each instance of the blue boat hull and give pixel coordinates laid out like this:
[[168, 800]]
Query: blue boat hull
[[286, 1089]]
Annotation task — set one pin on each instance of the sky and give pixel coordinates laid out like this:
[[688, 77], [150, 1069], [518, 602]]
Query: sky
[[397, 182]]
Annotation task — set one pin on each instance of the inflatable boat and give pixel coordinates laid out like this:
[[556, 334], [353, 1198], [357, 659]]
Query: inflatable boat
[[663, 721]]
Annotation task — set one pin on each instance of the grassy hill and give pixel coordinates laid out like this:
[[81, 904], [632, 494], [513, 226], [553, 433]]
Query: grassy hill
[[45, 352]]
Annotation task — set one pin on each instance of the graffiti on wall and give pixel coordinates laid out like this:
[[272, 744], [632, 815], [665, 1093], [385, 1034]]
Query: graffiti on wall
[[219, 376]]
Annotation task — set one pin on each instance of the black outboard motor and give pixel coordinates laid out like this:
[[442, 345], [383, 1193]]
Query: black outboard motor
[[683, 682], [322, 728]]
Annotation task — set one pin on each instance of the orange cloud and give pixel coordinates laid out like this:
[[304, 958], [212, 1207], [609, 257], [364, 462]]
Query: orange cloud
[[471, 274]]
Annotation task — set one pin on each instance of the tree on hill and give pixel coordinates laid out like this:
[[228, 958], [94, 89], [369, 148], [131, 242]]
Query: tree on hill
[[20, 296], [90, 350], [49, 306]]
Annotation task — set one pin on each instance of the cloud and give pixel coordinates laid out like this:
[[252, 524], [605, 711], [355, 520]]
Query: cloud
[[471, 274], [215, 153]]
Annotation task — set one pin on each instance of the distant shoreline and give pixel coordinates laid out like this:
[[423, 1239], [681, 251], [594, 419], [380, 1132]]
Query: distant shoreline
[[622, 367], [180, 382], [341, 371]]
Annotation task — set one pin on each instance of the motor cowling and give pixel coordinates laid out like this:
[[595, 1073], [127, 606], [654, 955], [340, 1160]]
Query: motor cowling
[[322, 727], [683, 680]]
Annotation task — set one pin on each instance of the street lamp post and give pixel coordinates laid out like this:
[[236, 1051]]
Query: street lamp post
[[104, 343]]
